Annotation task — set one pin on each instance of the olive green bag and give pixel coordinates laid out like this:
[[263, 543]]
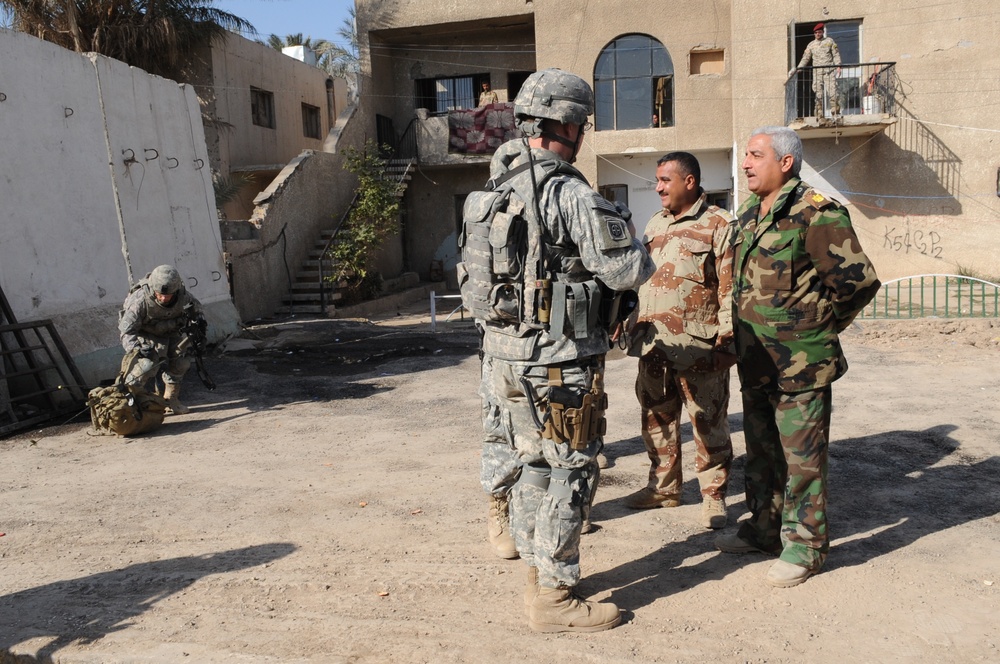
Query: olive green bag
[[114, 410], [118, 410]]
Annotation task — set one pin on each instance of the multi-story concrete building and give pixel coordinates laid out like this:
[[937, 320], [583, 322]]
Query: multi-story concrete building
[[911, 153], [263, 108]]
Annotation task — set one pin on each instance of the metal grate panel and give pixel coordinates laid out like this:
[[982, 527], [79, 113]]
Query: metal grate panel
[[935, 296]]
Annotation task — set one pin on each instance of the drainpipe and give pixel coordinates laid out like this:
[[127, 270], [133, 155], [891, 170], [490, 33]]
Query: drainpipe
[[736, 190]]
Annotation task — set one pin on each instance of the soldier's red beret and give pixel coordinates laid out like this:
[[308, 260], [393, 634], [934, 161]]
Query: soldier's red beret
[[819, 26]]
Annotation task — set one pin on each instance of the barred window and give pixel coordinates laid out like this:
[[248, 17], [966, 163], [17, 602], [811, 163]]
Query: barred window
[[262, 107]]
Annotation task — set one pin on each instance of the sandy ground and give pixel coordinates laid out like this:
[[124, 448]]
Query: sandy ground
[[323, 505]]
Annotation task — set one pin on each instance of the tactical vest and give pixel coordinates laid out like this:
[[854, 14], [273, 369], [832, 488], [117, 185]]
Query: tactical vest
[[503, 276]]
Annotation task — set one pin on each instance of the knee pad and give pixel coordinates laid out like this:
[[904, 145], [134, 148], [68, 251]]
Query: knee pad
[[573, 484]]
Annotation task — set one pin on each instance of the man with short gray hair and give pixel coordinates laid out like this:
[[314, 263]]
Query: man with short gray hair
[[800, 278]]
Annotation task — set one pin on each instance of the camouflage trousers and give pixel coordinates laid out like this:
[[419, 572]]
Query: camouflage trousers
[[140, 370], [500, 464], [662, 390], [546, 523], [787, 438], [825, 88]]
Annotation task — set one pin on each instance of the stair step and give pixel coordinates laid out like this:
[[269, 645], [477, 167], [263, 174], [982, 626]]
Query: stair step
[[310, 297], [304, 309]]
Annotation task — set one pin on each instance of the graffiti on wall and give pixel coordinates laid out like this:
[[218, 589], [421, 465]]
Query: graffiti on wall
[[906, 240]]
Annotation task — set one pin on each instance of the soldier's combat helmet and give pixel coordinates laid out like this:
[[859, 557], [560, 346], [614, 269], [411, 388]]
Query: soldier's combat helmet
[[555, 95], [165, 280]]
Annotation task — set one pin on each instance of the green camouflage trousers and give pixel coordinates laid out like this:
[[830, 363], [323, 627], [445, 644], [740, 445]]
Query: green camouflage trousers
[[787, 438], [546, 523], [662, 390], [500, 464]]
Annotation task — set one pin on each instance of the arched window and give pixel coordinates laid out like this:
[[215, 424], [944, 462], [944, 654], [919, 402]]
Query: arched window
[[634, 85]]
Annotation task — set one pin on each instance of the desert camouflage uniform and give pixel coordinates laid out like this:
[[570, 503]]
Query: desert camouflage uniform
[[144, 322], [823, 53], [801, 277], [585, 237], [684, 320]]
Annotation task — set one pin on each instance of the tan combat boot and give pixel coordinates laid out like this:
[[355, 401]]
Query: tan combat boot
[[172, 394], [498, 528], [530, 589], [560, 610], [713, 512], [645, 499]]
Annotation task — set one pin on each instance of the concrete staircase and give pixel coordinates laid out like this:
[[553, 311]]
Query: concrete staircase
[[308, 290]]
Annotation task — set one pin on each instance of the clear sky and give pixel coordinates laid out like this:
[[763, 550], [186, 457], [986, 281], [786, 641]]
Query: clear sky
[[318, 19]]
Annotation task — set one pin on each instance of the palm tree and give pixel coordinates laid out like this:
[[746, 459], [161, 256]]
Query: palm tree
[[325, 51], [155, 35], [345, 61]]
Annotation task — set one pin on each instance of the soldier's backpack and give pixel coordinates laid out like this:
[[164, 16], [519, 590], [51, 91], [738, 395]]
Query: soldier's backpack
[[119, 410], [114, 410], [502, 246]]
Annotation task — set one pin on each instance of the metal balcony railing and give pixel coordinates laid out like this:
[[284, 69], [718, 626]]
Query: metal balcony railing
[[845, 89], [936, 296]]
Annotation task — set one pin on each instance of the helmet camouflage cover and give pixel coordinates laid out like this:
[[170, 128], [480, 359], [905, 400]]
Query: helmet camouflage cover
[[164, 279], [555, 95]]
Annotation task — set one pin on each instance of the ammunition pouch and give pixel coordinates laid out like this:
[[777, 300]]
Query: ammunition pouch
[[576, 303], [572, 417]]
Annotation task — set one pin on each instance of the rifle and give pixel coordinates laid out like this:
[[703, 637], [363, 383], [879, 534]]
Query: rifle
[[195, 342]]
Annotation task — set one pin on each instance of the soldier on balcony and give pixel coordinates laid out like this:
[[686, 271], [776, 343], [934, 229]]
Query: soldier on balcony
[[822, 52]]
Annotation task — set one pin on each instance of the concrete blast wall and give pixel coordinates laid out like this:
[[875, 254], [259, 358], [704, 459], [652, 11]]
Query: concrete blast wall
[[104, 176]]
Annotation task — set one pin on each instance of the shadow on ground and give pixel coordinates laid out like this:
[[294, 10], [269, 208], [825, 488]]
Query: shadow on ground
[[887, 491], [84, 610]]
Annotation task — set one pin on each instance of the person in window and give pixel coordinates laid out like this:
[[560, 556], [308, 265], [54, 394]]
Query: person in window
[[487, 96], [823, 52]]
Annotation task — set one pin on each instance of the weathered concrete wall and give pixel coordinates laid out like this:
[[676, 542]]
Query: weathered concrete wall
[[227, 72], [104, 176], [436, 237], [922, 194], [308, 196], [571, 36], [292, 211]]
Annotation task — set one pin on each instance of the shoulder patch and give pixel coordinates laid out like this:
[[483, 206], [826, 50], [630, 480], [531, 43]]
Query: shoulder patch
[[818, 200], [616, 229], [612, 228]]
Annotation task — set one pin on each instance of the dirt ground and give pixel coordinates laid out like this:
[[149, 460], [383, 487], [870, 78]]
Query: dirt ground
[[323, 505]]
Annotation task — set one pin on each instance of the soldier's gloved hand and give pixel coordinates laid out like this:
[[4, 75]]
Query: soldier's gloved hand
[[148, 351]]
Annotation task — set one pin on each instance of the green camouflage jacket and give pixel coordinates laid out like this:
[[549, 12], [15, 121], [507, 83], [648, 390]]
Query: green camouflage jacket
[[801, 277]]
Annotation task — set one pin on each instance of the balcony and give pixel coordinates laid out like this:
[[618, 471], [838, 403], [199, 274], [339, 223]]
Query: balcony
[[841, 100], [468, 136]]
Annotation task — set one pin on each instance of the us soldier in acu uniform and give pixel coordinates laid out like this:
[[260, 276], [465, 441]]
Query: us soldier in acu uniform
[[547, 368], [683, 338], [801, 277], [150, 324]]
